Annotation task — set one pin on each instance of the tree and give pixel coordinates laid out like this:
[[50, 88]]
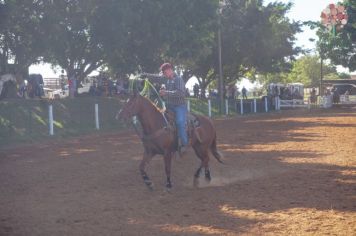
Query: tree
[[255, 39], [71, 39], [305, 70], [143, 34], [21, 37], [341, 47]]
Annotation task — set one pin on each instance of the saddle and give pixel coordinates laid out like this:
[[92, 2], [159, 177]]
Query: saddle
[[192, 124], [192, 127]]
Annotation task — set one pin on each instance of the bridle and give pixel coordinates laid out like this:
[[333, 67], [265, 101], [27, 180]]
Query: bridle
[[145, 138]]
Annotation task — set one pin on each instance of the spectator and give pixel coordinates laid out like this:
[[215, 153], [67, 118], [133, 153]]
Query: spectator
[[111, 87], [196, 90], [22, 89], [244, 93], [313, 96], [105, 86], [336, 96], [40, 86], [231, 91], [119, 86], [72, 84], [126, 85]]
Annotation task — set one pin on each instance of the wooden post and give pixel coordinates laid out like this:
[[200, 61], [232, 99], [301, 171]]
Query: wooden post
[[254, 105], [97, 124], [209, 107], [50, 118], [266, 104], [226, 107]]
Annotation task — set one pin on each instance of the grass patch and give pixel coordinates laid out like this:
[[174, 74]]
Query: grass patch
[[27, 120]]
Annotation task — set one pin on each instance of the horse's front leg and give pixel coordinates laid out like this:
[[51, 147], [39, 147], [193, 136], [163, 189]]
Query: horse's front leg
[[147, 157], [167, 164]]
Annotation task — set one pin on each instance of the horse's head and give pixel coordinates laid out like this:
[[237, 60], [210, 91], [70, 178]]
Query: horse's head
[[130, 108]]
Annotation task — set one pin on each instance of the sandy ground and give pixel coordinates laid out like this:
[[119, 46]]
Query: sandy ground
[[292, 173]]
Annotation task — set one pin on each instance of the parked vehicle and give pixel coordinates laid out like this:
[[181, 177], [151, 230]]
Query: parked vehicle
[[343, 88]]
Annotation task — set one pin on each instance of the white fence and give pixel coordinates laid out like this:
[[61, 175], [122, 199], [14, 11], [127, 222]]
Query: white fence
[[326, 101], [348, 99], [294, 103]]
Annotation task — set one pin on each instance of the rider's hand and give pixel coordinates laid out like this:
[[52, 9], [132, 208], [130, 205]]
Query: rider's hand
[[162, 92]]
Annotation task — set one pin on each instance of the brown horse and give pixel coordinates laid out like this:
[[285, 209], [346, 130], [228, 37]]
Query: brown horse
[[159, 137]]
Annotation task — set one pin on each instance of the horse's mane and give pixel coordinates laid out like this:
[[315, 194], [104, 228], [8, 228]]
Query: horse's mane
[[148, 101]]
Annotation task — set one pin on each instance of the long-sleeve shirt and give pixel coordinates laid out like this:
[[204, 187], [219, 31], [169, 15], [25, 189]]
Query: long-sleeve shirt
[[175, 92]]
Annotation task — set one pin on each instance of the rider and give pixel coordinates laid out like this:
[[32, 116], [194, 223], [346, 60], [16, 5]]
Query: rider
[[174, 95]]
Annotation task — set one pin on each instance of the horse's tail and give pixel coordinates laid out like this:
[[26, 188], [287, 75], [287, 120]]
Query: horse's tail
[[215, 152]]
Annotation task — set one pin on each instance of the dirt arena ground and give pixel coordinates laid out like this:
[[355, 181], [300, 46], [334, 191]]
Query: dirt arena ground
[[292, 173]]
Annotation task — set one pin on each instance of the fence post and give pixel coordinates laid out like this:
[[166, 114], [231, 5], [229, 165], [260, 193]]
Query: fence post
[[254, 105], [209, 107], [241, 107], [97, 116], [266, 105], [30, 121], [188, 105], [226, 107], [50, 117]]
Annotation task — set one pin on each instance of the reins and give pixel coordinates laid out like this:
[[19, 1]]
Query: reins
[[146, 92]]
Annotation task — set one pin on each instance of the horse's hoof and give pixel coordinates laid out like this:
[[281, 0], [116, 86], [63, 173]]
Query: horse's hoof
[[208, 178], [149, 185], [168, 187]]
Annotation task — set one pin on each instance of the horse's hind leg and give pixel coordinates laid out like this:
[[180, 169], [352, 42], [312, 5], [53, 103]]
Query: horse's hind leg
[[167, 164], [198, 171], [207, 174], [205, 163], [147, 157]]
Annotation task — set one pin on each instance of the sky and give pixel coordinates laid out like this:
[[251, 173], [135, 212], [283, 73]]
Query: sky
[[302, 10]]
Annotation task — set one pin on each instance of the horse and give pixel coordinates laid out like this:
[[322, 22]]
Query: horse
[[160, 138]]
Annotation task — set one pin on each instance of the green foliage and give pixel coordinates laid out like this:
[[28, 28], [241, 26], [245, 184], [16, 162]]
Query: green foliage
[[71, 40], [255, 39], [129, 36], [304, 70], [341, 48], [145, 33], [21, 35], [27, 120]]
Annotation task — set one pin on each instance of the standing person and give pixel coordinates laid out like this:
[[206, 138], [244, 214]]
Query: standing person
[[233, 91], [196, 90], [313, 96], [244, 93], [174, 96], [72, 86]]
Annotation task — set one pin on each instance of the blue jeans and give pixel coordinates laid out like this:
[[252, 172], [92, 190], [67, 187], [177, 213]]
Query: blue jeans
[[180, 115]]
